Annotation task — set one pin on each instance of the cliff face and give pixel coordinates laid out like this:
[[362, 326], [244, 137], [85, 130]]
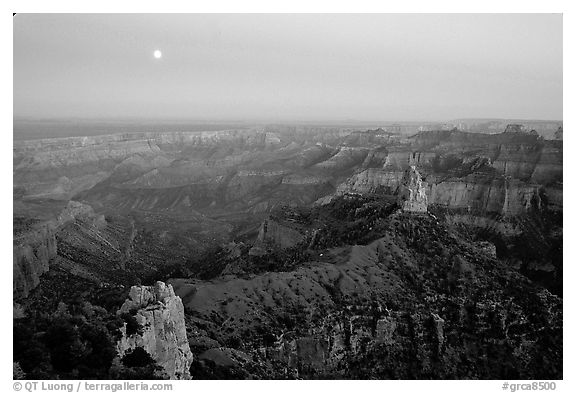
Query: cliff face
[[535, 163], [160, 315], [477, 193], [32, 253], [370, 180], [35, 248], [506, 173], [516, 161]]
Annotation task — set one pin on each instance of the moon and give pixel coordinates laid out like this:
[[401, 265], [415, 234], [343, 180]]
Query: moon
[[157, 54]]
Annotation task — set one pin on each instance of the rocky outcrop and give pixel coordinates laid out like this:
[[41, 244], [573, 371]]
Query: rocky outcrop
[[162, 332], [438, 330], [412, 194]]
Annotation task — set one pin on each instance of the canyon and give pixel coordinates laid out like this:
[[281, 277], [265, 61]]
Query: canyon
[[296, 252]]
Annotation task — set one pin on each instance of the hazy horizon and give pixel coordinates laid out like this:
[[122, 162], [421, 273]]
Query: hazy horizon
[[182, 119], [282, 67]]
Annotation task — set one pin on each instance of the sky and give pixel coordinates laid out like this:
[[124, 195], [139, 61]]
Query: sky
[[403, 67]]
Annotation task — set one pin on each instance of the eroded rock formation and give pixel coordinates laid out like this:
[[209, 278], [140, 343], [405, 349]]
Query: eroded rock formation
[[412, 194], [160, 314]]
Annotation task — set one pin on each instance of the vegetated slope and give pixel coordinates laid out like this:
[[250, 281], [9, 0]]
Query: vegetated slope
[[420, 301]]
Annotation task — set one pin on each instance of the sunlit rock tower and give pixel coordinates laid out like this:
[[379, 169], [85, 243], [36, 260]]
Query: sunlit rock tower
[[161, 331], [412, 192]]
